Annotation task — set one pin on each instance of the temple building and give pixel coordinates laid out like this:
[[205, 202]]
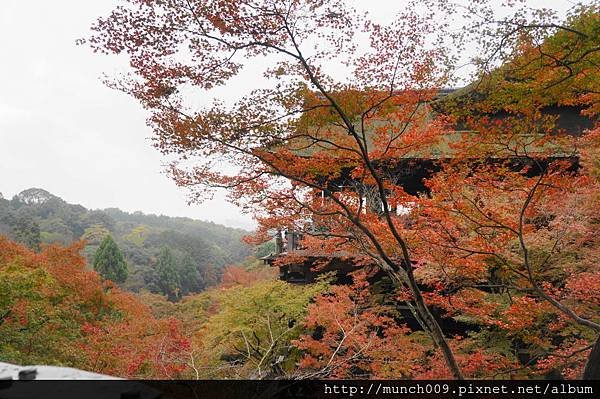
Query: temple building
[[299, 266]]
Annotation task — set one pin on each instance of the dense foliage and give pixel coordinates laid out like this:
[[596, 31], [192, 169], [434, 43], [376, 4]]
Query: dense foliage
[[249, 330]]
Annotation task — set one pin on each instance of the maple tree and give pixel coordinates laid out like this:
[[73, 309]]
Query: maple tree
[[353, 336], [323, 152], [247, 330], [54, 311], [514, 238]]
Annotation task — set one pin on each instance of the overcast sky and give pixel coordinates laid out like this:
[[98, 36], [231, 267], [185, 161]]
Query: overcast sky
[[62, 130]]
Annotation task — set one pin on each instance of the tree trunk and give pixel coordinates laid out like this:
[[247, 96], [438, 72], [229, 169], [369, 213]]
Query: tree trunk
[[433, 327], [437, 334], [592, 367]]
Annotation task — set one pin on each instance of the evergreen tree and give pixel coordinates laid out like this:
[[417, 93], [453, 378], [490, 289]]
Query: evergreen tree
[[191, 280], [167, 277], [109, 261]]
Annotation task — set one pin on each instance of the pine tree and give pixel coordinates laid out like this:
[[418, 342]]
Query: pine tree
[[168, 280], [109, 261], [190, 278]]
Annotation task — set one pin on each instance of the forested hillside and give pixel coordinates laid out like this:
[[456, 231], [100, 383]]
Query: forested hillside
[[196, 251]]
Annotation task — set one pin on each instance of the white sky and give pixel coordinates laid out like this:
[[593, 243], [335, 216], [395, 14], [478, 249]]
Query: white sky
[[62, 130]]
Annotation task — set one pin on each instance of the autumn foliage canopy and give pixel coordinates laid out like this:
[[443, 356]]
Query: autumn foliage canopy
[[56, 312]]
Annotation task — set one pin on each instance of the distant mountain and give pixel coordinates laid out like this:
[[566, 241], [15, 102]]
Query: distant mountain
[[36, 216]]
